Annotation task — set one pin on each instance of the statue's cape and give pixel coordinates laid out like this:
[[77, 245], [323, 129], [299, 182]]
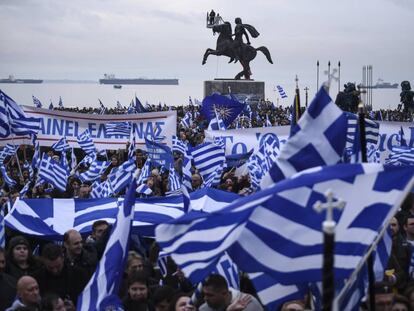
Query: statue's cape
[[253, 32]]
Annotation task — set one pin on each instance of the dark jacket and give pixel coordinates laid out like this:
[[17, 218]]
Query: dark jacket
[[7, 290], [400, 259]]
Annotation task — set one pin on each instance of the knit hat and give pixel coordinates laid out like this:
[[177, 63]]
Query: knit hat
[[18, 240]]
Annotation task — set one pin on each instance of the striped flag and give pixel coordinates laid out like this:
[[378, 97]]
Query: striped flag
[[73, 161], [187, 121], [173, 180], [118, 129], [86, 143], [216, 123], [60, 102], [8, 150], [121, 176], [145, 172], [26, 188], [101, 190], [101, 293], [281, 91], [4, 118], [9, 181], [401, 156], [276, 231], [61, 145], [318, 139], [36, 102], [144, 189], [36, 154], [53, 172], [187, 171], [19, 123], [207, 158], [96, 169], [132, 145], [178, 145]]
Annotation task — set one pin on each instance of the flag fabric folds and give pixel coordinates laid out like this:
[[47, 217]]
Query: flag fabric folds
[[61, 145], [281, 91], [178, 145], [96, 169], [318, 139], [36, 102], [86, 143], [208, 157], [121, 176], [18, 122], [276, 231], [159, 153], [102, 290], [8, 150], [187, 120], [228, 108], [118, 129], [53, 172], [51, 218]]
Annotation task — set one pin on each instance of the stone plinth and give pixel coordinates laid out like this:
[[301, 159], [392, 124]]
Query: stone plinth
[[250, 88]]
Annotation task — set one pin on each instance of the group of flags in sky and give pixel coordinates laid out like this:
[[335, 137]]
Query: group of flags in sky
[[273, 234]]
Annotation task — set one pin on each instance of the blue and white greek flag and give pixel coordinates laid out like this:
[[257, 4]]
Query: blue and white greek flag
[[144, 189], [145, 172], [216, 123], [36, 154], [208, 157], [73, 160], [61, 145], [178, 145], [101, 292], [19, 123], [317, 139], [37, 102], [400, 155], [101, 190], [268, 123], [8, 150], [28, 167], [96, 169], [86, 143], [132, 146], [187, 171], [4, 118], [121, 176], [277, 231], [26, 188], [272, 294], [187, 121], [382, 254], [122, 129], [214, 178], [281, 91], [173, 180], [53, 172], [163, 263], [9, 181]]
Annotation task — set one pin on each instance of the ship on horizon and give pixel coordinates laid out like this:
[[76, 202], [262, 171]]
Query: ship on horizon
[[379, 85], [111, 79], [12, 79]]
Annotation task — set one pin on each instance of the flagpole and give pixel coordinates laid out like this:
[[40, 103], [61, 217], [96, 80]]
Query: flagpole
[[17, 157], [317, 76], [339, 76], [328, 226]]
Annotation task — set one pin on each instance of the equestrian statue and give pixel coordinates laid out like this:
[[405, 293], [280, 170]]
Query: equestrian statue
[[235, 48]]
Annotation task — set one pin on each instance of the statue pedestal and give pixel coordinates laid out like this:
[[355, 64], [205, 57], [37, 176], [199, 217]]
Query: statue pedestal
[[255, 90]]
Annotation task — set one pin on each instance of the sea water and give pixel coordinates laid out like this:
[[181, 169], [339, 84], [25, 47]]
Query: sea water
[[88, 94]]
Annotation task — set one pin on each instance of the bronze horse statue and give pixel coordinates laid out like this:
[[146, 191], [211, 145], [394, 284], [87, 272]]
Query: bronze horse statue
[[226, 47]]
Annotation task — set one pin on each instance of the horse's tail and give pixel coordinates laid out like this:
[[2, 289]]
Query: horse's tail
[[266, 52]]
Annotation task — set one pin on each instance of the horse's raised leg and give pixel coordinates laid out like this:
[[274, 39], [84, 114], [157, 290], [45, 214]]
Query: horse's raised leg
[[206, 54]]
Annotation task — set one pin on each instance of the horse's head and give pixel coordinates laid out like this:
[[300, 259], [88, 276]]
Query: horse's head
[[224, 29]]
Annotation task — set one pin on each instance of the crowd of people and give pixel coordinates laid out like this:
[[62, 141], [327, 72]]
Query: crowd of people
[[40, 275]]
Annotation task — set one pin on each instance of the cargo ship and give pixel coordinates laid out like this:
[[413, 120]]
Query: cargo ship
[[380, 85], [12, 79], [110, 79]]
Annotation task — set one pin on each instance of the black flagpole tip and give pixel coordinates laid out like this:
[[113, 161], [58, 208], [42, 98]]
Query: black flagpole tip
[[339, 64], [329, 63], [317, 63]]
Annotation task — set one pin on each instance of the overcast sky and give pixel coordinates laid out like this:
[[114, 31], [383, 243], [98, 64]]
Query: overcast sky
[[82, 39]]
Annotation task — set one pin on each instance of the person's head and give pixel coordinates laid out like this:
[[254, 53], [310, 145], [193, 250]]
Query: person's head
[[99, 228], [383, 296], [114, 161], [52, 302], [409, 226], [400, 303], [28, 291], [134, 263], [72, 240], [294, 305], [2, 259], [162, 298], [19, 249], [180, 302], [216, 291], [238, 20], [53, 259], [196, 181], [75, 184], [394, 226], [138, 287], [84, 191]]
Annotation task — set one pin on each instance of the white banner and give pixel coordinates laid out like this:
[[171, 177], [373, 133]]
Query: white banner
[[56, 124], [243, 140]]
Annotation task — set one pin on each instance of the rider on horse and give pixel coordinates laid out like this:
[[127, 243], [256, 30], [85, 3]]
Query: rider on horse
[[239, 31]]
